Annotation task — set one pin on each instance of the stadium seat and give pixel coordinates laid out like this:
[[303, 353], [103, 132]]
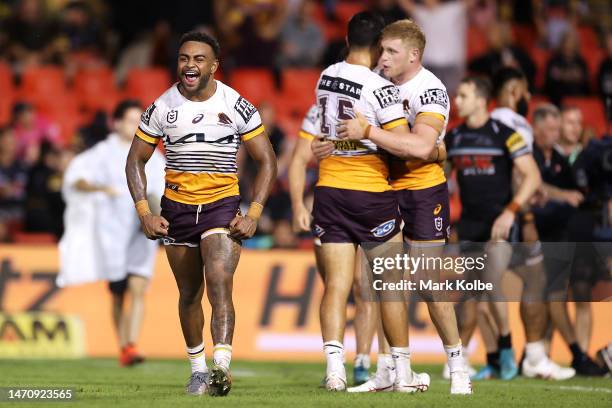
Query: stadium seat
[[593, 112], [43, 82], [524, 35], [146, 84], [593, 58], [8, 94], [477, 43], [298, 92], [255, 84], [332, 31], [540, 58], [34, 238], [95, 89]]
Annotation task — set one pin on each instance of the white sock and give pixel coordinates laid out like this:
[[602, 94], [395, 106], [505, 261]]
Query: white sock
[[535, 351], [334, 354], [222, 355], [197, 359], [455, 357], [401, 359], [384, 366], [362, 360]]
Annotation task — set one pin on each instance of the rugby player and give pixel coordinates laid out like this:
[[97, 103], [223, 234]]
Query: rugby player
[[419, 183], [484, 152], [354, 203], [202, 123]]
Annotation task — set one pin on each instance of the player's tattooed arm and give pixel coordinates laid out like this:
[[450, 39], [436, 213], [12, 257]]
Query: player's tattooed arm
[[154, 226]]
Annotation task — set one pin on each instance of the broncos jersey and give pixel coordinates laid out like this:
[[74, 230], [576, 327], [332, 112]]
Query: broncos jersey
[[201, 140], [310, 124], [342, 89], [424, 94]]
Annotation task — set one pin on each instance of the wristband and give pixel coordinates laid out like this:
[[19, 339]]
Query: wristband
[[255, 210], [142, 208], [367, 131], [513, 207]]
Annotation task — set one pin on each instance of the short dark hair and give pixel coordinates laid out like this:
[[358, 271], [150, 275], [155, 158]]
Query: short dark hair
[[505, 74], [482, 85], [123, 106], [199, 36], [365, 29]]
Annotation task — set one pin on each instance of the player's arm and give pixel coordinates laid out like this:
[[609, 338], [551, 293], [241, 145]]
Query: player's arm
[[571, 197], [154, 226], [297, 180], [260, 150]]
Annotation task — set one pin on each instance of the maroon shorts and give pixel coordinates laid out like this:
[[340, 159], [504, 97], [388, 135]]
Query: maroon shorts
[[342, 216], [189, 222], [425, 212]]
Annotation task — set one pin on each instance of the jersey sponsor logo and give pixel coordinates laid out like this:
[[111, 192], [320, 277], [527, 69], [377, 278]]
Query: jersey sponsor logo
[[198, 118], [437, 209], [172, 116], [146, 115], [348, 145], [435, 96], [515, 142], [318, 231], [224, 119], [387, 96], [384, 229], [245, 109], [341, 86]]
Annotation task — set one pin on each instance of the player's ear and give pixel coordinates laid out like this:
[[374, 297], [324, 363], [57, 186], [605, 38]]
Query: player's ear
[[214, 66]]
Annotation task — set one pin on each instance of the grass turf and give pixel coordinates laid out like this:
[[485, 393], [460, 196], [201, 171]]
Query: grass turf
[[101, 383]]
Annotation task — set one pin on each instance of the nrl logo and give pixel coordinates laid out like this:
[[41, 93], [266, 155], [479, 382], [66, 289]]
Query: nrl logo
[[172, 116]]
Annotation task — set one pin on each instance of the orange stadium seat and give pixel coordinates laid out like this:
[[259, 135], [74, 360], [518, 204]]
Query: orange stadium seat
[[147, 84], [477, 43], [43, 82], [255, 84], [593, 112], [95, 88], [540, 58], [298, 92], [8, 94], [34, 238]]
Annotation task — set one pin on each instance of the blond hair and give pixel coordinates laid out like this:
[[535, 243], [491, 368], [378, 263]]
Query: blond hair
[[408, 31]]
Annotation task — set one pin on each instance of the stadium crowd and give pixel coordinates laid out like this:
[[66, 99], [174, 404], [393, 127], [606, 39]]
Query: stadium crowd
[[65, 65]]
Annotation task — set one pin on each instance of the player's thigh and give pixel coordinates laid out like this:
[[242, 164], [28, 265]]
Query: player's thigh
[[339, 263], [187, 267], [220, 254]]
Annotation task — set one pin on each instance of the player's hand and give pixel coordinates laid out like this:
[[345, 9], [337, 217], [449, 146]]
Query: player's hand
[[242, 227], [301, 219], [154, 226], [353, 129], [502, 225], [573, 198], [321, 148]]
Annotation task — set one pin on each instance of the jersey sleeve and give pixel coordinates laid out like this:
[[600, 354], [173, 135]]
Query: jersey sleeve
[[309, 129], [516, 145], [248, 120], [434, 102], [150, 129], [387, 107]]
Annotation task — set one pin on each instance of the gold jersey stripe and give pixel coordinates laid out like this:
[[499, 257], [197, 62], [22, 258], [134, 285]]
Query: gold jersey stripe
[[149, 139], [394, 123], [200, 188], [361, 173], [305, 135], [255, 132], [433, 119]]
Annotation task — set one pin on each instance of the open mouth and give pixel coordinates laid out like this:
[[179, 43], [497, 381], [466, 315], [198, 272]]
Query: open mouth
[[191, 77]]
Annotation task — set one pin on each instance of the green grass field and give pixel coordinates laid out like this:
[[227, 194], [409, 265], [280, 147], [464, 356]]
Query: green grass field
[[101, 383]]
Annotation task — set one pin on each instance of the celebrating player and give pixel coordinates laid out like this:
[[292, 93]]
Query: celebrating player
[[202, 122]]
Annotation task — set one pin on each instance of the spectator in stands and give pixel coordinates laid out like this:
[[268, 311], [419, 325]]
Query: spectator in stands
[[302, 39], [503, 53], [31, 129], [570, 144], [13, 178], [567, 73], [553, 19], [604, 78], [390, 10], [445, 26], [32, 36]]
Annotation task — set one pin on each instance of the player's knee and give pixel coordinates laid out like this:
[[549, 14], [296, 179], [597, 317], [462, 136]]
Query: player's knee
[[189, 297]]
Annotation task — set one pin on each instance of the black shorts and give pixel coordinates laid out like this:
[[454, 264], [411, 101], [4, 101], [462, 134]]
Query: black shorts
[[189, 224], [426, 213], [351, 216]]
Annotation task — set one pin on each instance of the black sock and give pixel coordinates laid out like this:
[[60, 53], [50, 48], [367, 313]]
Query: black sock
[[493, 359], [576, 351], [504, 342]]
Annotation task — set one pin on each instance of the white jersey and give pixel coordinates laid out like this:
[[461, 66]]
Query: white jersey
[[342, 89], [201, 140], [310, 124], [424, 94], [516, 122]]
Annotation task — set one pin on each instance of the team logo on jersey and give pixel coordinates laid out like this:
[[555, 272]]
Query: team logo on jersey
[[172, 116], [384, 229], [198, 118], [438, 223], [435, 96], [406, 106], [245, 109], [224, 119], [437, 209], [146, 115], [387, 96]]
